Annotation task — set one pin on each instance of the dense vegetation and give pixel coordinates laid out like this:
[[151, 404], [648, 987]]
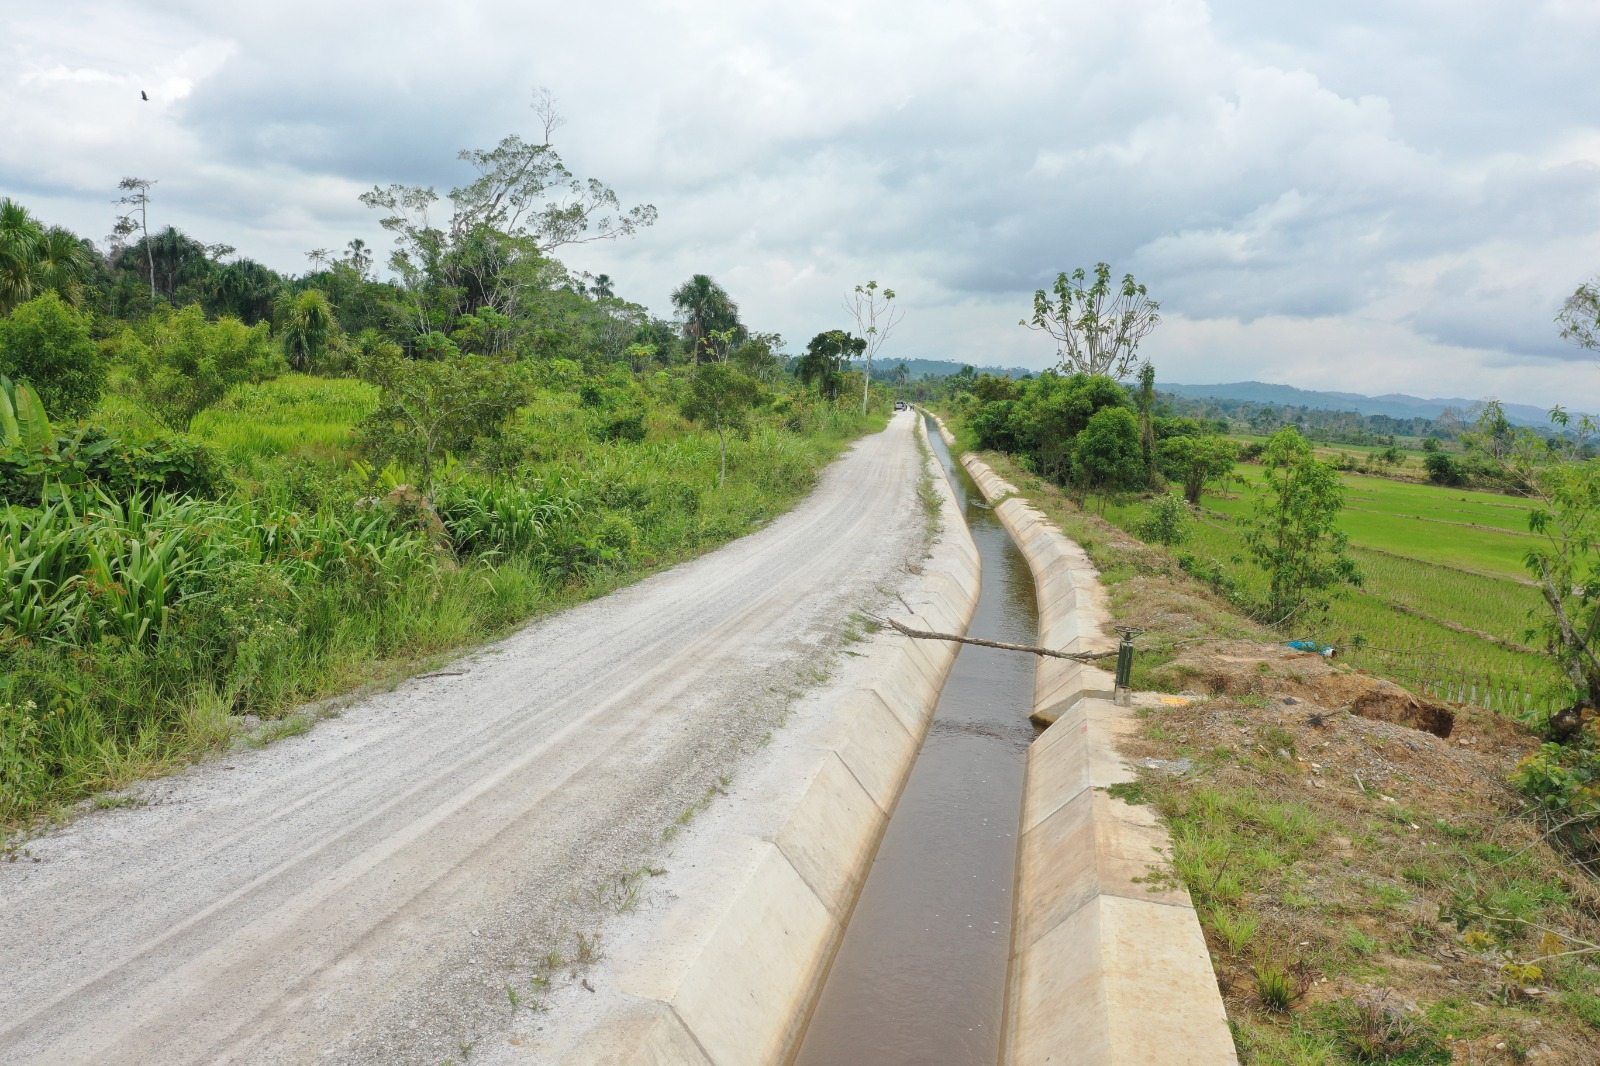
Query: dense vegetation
[[224, 490]]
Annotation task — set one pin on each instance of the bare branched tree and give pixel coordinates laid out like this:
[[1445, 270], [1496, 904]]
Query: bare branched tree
[[875, 317], [1097, 325], [136, 197], [1580, 316], [550, 117]]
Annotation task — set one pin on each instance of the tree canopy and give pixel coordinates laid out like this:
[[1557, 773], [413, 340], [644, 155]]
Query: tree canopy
[[1097, 324]]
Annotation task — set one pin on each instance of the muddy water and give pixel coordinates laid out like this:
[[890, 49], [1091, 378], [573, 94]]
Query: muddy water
[[920, 977]]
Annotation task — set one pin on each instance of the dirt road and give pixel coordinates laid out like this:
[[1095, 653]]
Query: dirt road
[[365, 893]]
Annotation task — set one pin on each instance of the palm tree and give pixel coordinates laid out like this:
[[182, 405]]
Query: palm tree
[[707, 310], [602, 287], [35, 260], [360, 256], [246, 290], [306, 328]]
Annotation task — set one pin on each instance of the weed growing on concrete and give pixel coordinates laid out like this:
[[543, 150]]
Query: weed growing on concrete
[[702, 803], [588, 949]]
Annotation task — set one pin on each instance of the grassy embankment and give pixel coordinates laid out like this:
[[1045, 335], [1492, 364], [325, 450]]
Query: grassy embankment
[[139, 635], [1369, 893]]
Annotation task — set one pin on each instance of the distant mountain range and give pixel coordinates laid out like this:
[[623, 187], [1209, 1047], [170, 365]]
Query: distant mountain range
[[941, 368], [1393, 404]]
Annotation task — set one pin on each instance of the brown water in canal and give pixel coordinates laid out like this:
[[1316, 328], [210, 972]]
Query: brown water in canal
[[920, 977]]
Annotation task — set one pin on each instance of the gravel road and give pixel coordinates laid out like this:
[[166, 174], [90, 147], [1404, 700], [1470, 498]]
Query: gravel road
[[366, 892]]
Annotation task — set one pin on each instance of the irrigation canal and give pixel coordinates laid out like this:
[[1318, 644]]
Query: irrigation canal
[[919, 979]]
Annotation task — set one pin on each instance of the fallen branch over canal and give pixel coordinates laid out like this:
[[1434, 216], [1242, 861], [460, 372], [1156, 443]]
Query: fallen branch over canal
[[1075, 656]]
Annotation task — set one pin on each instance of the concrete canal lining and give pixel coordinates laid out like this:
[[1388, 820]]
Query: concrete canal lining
[[1106, 970], [919, 979]]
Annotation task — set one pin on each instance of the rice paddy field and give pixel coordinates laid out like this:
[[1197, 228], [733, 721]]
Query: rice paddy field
[[1446, 604]]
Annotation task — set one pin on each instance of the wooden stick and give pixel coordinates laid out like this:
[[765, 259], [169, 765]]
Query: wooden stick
[[1075, 656]]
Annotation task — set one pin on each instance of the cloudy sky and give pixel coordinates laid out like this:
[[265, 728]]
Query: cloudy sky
[[1366, 196]]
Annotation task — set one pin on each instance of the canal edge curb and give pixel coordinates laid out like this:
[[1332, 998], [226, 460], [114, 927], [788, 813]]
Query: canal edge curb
[[1108, 963], [733, 977]]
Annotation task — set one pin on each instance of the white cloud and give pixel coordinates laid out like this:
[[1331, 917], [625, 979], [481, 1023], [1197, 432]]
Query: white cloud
[[1405, 190]]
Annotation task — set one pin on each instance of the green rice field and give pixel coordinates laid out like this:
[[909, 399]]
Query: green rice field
[[1446, 602]]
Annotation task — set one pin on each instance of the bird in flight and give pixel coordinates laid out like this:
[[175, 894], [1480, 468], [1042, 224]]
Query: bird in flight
[[143, 95]]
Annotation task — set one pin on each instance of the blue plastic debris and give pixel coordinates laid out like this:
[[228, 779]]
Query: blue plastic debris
[[1326, 650]]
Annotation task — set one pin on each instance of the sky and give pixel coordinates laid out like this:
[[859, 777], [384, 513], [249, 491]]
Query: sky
[[1367, 197]]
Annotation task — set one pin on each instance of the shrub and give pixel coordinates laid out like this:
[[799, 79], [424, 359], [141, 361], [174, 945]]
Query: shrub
[[46, 343], [1106, 454], [183, 364], [1167, 522], [89, 457], [1443, 469]]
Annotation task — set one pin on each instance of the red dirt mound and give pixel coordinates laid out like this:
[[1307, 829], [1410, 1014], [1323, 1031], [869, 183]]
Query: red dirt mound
[[1250, 668]]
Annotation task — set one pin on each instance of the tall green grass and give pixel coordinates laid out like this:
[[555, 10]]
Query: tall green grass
[[131, 630]]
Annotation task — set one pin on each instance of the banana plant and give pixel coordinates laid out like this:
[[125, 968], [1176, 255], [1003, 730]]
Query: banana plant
[[23, 424]]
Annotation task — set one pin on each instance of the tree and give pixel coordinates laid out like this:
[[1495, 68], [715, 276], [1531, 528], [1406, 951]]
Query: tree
[[1443, 469], [1580, 316], [176, 259], [1097, 327], [183, 364], [720, 398], [823, 363], [707, 311], [759, 356], [523, 204], [136, 197], [1292, 532], [1565, 520], [899, 375], [876, 317], [47, 343], [1195, 461], [244, 289], [1144, 398], [1105, 456], [35, 259], [308, 325], [359, 258], [431, 408]]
